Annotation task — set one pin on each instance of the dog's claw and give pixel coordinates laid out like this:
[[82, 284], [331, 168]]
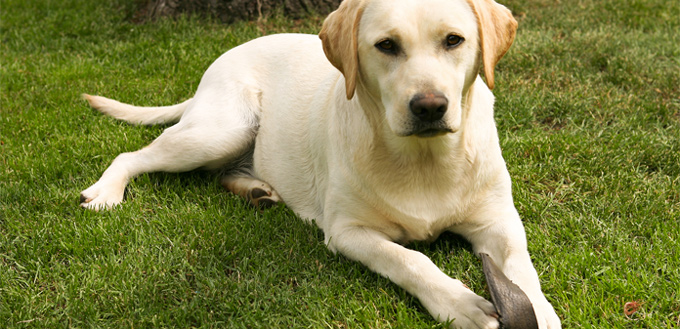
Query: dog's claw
[[514, 308]]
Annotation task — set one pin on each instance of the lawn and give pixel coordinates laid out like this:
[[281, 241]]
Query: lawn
[[588, 111]]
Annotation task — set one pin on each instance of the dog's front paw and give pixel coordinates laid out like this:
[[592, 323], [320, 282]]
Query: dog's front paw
[[466, 309], [99, 196], [545, 314]]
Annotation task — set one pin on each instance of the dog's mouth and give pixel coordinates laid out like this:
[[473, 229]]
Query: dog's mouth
[[429, 130], [432, 132]]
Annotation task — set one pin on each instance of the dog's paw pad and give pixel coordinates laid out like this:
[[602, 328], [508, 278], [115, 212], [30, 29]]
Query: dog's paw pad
[[257, 193], [264, 202], [84, 199]]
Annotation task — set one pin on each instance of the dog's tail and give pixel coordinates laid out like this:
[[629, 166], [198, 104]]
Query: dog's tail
[[137, 114]]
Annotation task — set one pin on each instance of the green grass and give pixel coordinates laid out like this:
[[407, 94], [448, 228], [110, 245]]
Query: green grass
[[588, 110]]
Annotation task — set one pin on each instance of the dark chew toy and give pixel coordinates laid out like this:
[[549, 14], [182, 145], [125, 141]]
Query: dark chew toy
[[512, 304]]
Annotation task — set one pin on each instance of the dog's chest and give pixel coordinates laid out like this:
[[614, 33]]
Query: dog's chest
[[420, 206], [425, 214], [420, 195]]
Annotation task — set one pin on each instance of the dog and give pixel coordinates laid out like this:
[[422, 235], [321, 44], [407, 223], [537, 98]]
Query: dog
[[380, 130]]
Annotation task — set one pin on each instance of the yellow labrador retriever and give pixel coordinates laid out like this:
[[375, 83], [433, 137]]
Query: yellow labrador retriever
[[387, 138]]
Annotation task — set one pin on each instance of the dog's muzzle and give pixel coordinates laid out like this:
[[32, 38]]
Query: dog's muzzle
[[427, 110]]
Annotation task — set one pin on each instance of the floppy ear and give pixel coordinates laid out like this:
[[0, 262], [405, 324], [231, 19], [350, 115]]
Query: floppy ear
[[339, 38], [497, 30]]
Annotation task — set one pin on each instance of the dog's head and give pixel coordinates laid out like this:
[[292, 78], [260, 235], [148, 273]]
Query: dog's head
[[418, 58]]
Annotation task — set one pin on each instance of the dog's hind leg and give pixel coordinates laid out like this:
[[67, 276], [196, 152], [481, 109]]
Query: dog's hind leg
[[257, 192], [215, 130]]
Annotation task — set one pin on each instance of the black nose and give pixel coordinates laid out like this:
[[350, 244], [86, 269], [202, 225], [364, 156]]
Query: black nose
[[429, 107]]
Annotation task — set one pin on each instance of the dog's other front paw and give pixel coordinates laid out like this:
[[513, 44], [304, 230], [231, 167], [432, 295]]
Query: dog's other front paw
[[99, 196], [464, 307], [545, 315]]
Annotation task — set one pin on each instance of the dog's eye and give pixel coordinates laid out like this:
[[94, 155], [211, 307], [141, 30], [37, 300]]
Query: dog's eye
[[453, 40], [387, 46]]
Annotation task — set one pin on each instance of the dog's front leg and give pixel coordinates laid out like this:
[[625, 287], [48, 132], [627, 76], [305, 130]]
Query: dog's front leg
[[502, 236], [445, 298]]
